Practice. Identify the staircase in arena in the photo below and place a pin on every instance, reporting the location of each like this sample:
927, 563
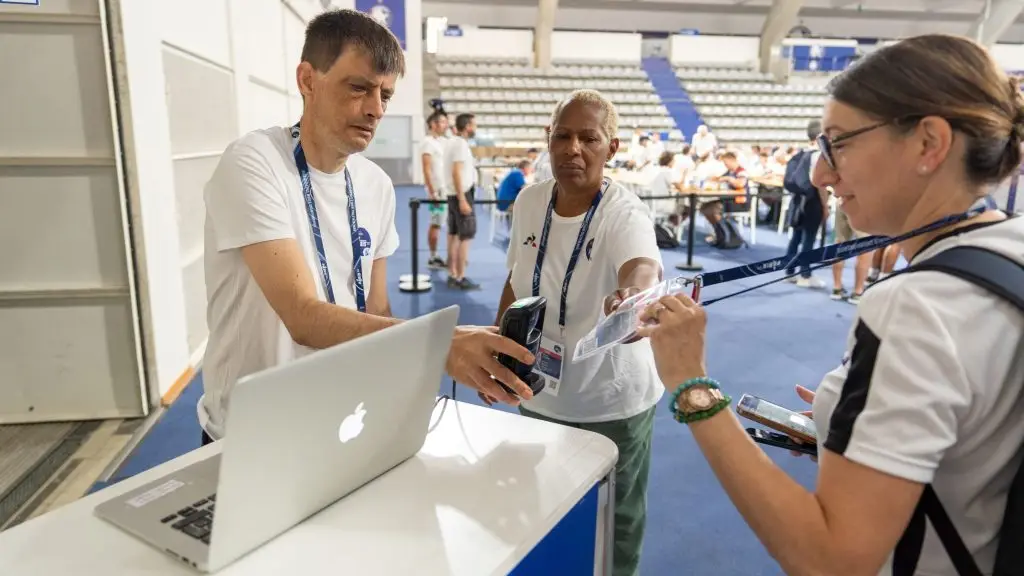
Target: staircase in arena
672, 95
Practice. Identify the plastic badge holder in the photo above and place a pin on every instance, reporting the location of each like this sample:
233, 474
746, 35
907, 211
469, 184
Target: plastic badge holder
623, 324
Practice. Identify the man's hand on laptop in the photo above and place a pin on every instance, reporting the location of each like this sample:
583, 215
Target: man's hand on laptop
473, 360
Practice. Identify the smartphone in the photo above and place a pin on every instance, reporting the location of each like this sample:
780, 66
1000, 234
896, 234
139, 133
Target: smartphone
781, 441
778, 418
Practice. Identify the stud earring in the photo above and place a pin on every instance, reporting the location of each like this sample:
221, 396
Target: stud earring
922, 170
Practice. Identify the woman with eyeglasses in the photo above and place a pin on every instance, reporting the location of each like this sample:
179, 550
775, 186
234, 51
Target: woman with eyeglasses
929, 391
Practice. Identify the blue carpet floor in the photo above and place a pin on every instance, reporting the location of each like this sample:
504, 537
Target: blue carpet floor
763, 343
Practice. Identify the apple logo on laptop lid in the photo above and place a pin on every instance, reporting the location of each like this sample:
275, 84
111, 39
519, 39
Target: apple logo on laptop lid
352, 425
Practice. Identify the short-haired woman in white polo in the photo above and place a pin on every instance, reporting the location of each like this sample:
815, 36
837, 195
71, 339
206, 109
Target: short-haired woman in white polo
583, 232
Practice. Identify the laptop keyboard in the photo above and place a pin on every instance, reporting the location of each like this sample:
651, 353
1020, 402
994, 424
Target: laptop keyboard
195, 520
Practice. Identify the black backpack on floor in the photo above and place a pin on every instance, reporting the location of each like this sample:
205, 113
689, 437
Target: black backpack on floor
664, 237
1005, 278
727, 235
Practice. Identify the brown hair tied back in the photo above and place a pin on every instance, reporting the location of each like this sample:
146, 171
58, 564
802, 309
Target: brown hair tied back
947, 76
1013, 154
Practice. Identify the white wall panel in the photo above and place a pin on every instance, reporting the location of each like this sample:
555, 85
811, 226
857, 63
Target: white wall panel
486, 43
196, 26
200, 104
61, 227
294, 37
87, 348
294, 107
264, 35
194, 279
51, 105
268, 108
727, 50
595, 46
190, 177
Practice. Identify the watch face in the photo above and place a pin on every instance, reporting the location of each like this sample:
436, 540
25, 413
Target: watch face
701, 398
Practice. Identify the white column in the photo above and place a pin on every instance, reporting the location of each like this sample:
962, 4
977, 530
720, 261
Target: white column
995, 19
146, 132
780, 19
542, 33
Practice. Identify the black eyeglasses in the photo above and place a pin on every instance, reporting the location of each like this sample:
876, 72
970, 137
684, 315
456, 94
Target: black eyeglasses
825, 143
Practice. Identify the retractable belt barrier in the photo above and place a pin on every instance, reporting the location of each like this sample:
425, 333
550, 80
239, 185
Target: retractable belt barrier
413, 284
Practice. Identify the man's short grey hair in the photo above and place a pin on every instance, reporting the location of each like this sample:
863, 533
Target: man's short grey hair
610, 126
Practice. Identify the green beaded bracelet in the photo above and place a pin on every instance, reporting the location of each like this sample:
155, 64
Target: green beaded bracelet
701, 380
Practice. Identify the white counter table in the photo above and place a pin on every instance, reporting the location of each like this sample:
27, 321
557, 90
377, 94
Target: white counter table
489, 493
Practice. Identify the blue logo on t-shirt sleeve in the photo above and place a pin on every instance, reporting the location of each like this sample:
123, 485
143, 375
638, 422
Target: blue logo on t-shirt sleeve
364, 241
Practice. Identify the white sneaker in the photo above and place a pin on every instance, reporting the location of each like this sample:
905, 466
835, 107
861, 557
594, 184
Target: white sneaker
811, 282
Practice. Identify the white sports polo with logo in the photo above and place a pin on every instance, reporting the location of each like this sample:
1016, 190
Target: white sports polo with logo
623, 381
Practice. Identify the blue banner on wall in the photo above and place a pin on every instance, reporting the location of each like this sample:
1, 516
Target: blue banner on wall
390, 13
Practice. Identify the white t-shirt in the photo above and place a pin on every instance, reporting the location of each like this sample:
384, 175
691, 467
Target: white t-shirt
458, 150
684, 166
435, 147
930, 390
662, 185
654, 151
623, 381
542, 168
705, 144
639, 154
254, 196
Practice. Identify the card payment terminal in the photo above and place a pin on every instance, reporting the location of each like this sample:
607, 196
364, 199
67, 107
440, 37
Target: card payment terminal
523, 323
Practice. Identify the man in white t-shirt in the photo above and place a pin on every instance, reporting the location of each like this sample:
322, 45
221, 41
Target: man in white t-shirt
638, 156
275, 289
434, 146
704, 143
655, 149
460, 168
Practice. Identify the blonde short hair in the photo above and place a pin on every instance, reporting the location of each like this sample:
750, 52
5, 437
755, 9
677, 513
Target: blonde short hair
610, 126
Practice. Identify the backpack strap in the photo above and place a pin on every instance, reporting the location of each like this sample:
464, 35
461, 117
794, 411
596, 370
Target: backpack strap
990, 270
1005, 278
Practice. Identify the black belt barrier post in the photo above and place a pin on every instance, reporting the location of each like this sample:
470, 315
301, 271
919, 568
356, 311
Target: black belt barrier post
689, 265
413, 282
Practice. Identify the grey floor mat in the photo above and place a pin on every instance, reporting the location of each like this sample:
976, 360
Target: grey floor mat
30, 454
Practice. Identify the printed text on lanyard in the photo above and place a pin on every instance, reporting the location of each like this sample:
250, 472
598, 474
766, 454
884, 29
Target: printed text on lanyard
314, 226
577, 249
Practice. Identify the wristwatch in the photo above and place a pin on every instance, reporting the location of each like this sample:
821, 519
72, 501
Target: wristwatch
698, 398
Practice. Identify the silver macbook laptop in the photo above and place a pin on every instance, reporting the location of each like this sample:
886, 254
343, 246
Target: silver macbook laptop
298, 437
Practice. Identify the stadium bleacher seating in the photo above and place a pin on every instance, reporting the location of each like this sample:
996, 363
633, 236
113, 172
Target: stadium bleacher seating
513, 100
743, 106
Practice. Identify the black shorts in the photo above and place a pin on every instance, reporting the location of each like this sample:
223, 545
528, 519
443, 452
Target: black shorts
463, 226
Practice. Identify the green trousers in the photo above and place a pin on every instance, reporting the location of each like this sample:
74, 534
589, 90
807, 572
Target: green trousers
633, 437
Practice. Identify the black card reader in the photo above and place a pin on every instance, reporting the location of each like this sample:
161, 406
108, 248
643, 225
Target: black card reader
523, 323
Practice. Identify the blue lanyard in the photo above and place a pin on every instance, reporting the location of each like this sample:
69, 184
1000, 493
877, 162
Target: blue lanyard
1011, 199
580, 239
829, 255
314, 226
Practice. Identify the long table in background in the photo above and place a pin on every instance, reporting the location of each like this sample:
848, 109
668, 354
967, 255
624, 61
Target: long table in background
640, 182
